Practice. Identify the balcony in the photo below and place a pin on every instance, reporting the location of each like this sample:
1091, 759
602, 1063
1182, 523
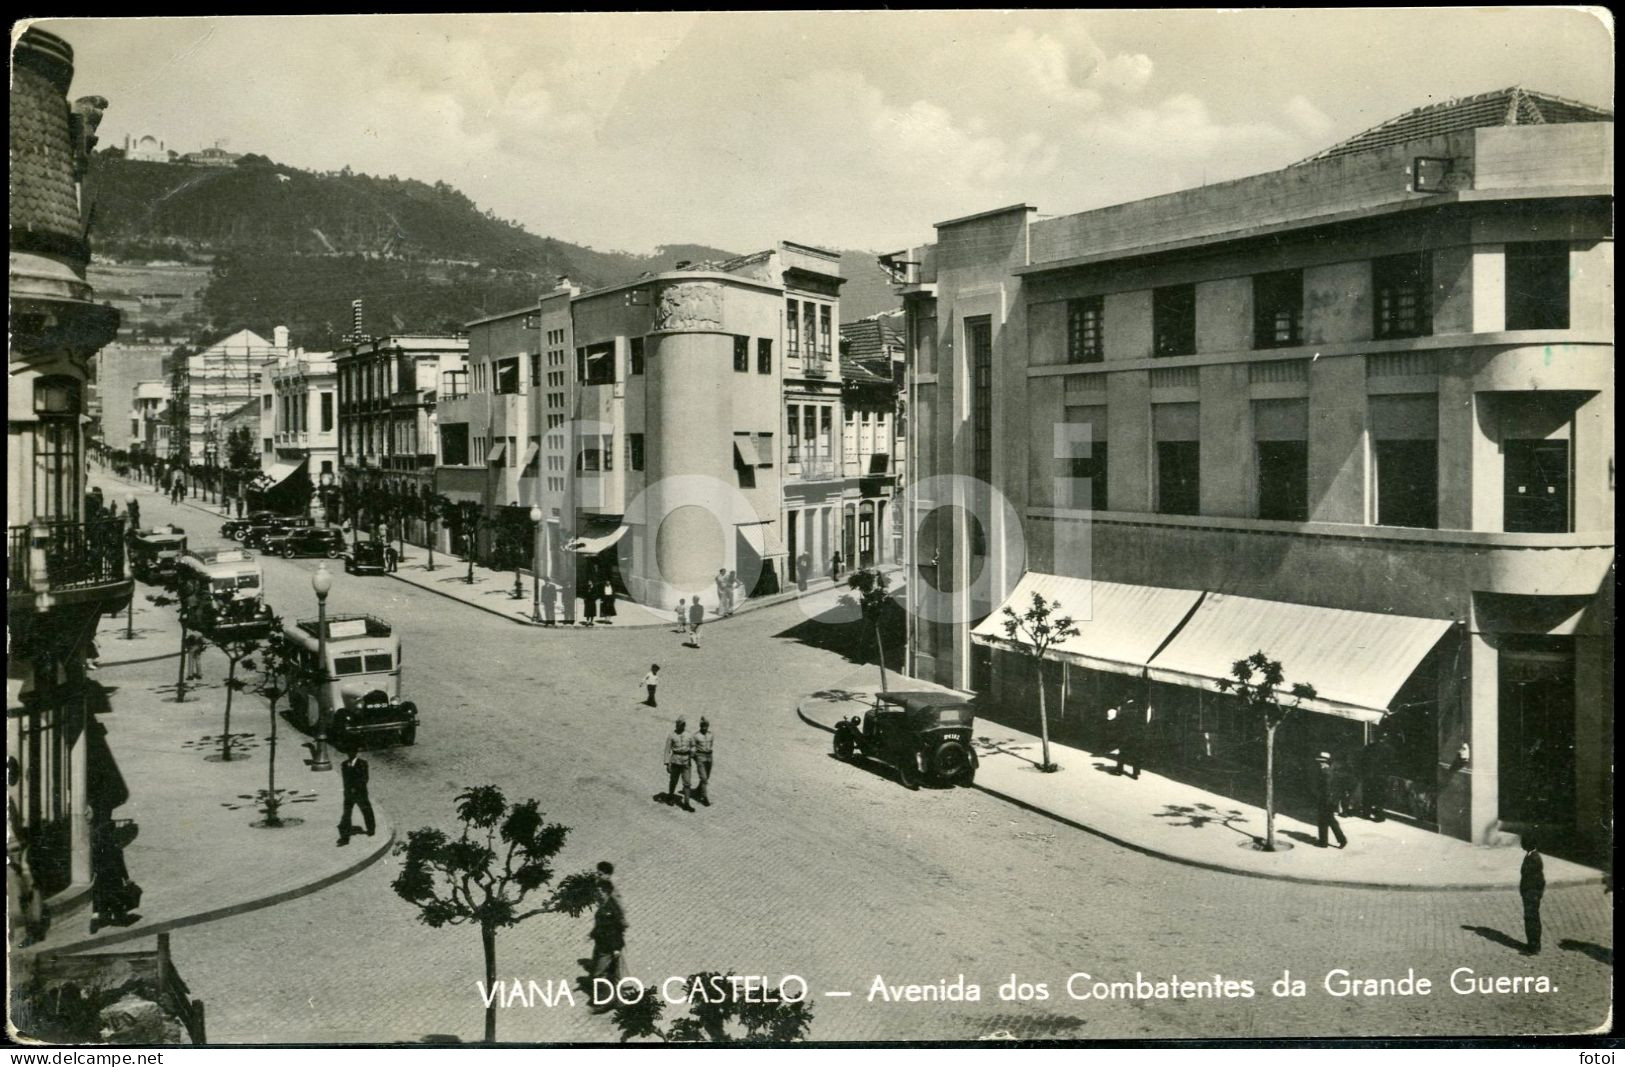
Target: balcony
813, 469
55, 562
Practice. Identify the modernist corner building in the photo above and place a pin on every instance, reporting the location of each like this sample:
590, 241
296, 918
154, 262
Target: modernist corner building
1356, 413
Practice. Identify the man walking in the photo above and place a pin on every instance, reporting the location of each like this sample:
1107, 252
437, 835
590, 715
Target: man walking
696, 616
608, 941
835, 565
1125, 723
195, 644
391, 559
1531, 887
650, 681
355, 773
679, 747
135, 514
1326, 801
682, 616
704, 745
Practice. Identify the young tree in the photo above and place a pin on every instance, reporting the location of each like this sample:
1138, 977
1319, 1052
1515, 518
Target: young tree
281, 668
164, 600
484, 874
729, 1019
238, 649
1260, 683
1033, 633
871, 587
430, 508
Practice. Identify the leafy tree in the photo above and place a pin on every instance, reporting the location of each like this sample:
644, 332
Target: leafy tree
871, 587
1260, 683
241, 452
1033, 633
726, 1020
483, 875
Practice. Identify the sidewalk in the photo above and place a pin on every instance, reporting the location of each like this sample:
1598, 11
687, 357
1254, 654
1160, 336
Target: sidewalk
1179, 822
195, 853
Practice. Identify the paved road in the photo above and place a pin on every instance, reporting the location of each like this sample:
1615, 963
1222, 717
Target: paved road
810, 867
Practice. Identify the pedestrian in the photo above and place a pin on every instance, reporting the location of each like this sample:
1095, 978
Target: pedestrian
589, 604
682, 616
696, 616
391, 558
239, 503
355, 774
549, 604
735, 587
1125, 721
835, 565
1531, 887
704, 747
195, 644
1374, 780
135, 514
1326, 801
113, 895
606, 605
679, 746
608, 942
724, 593
651, 680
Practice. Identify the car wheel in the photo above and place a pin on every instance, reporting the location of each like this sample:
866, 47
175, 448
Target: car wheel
334, 553
288, 553
238, 535
908, 775
409, 734
951, 761
844, 748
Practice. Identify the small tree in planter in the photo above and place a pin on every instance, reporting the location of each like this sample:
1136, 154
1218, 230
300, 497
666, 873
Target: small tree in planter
281, 668
1260, 683
238, 649
484, 874
1033, 633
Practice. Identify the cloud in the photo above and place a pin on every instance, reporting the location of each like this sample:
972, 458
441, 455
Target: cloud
1308, 118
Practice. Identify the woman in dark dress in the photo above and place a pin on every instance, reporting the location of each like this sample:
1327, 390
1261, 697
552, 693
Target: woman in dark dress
589, 605
606, 605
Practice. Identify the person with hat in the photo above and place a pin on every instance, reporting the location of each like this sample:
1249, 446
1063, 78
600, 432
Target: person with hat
704, 744
1126, 722
679, 747
1326, 801
608, 940
1531, 888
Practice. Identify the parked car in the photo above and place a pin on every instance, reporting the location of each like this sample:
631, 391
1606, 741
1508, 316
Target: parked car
235, 528
358, 688
304, 541
367, 557
925, 735
254, 536
155, 554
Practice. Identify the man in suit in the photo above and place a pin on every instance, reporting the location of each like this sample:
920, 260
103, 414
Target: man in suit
1326, 801
356, 773
1531, 887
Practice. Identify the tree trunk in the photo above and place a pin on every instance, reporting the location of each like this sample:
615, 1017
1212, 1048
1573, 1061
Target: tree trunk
1269, 788
271, 805
881, 646
1043, 718
428, 540
180, 678
488, 941
225, 736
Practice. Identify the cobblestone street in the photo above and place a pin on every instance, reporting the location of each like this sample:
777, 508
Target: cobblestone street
805, 865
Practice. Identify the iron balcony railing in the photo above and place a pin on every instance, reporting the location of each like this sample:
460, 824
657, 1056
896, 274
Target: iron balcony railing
58, 556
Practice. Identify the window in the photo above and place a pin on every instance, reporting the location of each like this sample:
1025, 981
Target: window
595, 364
1173, 320
1399, 287
809, 327
1278, 309
609, 451
792, 439
265, 402
637, 355
507, 376
764, 355
824, 317
742, 355
1092, 467
1537, 285
1405, 453
764, 449
1178, 458
1536, 487
1281, 440
979, 336
824, 443
56, 468
535, 369
1085, 321
1536, 712
379, 662
792, 327
327, 412
589, 459
347, 665
634, 451
454, 444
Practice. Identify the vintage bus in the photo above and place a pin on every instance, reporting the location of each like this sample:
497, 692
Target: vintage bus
359, 685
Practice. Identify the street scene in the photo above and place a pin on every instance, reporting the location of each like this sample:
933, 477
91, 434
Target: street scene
774, 643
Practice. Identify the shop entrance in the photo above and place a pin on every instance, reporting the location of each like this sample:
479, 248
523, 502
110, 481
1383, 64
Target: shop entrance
1537, 780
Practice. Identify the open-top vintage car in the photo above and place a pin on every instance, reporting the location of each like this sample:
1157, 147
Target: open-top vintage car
358, 688
155, 554
305, 541
925, 735
235, 528
366, 557
225, 592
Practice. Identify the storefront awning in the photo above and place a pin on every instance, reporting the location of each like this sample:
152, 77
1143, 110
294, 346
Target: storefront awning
1119, 626
1356, 660
597, 538
278, 473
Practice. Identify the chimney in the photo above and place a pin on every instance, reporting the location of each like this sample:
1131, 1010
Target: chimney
355, 319
564, 282
279, 337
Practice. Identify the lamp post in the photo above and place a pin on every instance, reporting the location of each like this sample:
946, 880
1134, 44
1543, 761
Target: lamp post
536, 564
322, 583
129, 513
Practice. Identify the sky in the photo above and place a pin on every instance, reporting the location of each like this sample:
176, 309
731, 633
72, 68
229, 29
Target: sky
842, 129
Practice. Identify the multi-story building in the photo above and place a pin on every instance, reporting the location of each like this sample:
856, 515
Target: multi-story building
872, 373
218, 380
65, 568
1356, 413
388, 390
119, 368
149, 418
297, 427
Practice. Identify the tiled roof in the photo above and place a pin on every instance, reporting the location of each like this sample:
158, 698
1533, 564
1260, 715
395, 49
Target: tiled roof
1515, 106
869, 337
44, 201
861, 370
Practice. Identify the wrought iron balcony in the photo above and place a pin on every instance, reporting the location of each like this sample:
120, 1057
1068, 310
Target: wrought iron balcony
66, 557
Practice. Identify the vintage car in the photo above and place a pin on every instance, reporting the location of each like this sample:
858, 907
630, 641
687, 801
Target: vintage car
357, 688
254, 536
926, 736
366, 557
224, 593
235, 528
304, 541
155, 554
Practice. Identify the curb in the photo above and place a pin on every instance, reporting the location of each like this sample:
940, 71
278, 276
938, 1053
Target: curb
106, 663
478, 607
1186, 861
116, 937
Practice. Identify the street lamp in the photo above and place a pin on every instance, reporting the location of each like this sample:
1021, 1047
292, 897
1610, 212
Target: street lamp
322, 583
536, 565
129, 512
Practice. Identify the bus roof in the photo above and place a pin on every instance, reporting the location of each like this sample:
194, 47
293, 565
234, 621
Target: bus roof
340, 630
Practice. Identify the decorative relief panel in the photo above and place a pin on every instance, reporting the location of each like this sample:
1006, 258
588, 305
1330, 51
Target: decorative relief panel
689, 306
